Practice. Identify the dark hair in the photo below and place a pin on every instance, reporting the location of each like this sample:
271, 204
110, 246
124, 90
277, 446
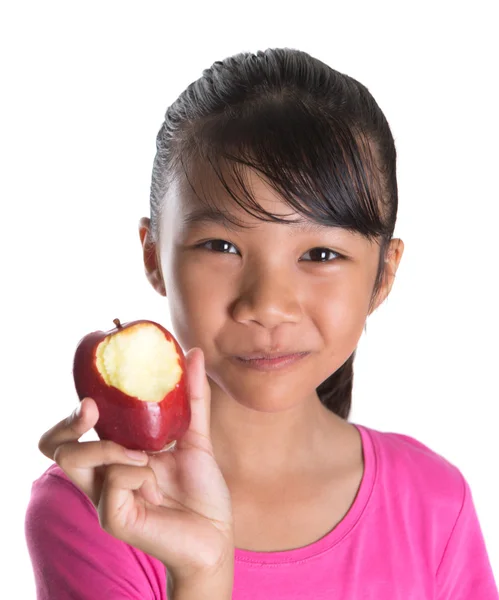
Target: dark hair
316, 135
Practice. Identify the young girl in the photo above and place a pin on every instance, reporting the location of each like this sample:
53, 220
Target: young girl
273, 204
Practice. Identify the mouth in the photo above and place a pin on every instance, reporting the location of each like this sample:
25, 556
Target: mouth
270, 362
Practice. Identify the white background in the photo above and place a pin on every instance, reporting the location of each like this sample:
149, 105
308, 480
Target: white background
85, 88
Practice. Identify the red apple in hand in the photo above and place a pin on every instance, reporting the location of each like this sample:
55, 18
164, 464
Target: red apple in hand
136, 373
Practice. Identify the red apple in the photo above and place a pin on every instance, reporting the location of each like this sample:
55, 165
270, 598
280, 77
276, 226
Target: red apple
136, 373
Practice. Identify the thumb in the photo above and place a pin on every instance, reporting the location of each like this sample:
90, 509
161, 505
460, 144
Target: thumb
199, 393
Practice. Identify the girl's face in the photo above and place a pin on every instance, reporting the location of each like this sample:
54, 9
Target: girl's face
269, 288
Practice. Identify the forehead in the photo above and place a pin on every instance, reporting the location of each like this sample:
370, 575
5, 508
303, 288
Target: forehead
200, 192
199, 198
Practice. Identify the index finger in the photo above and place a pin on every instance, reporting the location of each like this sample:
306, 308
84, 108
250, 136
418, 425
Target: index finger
69, 429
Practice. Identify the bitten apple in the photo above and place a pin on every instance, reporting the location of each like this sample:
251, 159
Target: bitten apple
136, 373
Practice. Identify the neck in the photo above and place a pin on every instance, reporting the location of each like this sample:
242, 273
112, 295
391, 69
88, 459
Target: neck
262, 446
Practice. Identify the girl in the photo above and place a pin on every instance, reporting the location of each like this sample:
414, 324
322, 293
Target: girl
273, 205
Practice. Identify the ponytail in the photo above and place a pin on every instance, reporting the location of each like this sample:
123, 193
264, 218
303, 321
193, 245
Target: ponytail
336, 391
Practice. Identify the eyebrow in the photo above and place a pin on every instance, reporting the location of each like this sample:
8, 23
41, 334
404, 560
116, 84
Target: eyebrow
201, 216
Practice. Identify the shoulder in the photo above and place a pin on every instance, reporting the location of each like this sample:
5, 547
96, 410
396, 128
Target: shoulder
417, 490
54, 493
413, 466
54, 478
56, 502
60, 514
401, 451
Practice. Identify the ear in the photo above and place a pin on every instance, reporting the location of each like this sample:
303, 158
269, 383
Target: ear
150, 257
392, 262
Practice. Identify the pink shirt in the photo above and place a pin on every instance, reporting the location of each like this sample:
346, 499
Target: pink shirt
412, 533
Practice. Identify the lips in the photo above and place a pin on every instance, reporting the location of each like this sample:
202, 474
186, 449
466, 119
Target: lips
272, 363
268, 355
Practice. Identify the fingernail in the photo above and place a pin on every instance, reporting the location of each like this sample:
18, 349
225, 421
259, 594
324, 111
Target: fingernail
77, 412
169, 447
137, 455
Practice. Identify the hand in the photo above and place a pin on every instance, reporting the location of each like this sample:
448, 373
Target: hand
173, 505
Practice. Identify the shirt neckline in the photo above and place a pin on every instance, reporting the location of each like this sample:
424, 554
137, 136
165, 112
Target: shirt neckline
342, 529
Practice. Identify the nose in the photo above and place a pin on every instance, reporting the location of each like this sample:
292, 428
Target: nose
269, 298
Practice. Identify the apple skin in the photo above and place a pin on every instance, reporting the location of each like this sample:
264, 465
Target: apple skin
133, 423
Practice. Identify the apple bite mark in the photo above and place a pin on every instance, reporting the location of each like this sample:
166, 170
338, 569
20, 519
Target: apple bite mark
139, 361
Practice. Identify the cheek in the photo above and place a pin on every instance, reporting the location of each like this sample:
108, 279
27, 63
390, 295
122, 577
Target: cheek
191, 277
342, 308
197, 297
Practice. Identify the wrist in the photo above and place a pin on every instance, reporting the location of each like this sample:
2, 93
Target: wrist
208, 585
203, 588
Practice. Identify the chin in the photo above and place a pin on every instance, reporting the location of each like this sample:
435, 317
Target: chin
265, 396
264, 405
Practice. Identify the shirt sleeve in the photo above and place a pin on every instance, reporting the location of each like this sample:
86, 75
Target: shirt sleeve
74, 558
465, 572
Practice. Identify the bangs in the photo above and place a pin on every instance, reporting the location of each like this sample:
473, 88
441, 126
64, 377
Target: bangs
323, 167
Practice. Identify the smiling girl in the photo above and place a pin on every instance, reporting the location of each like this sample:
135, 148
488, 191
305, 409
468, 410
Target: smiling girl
273, 206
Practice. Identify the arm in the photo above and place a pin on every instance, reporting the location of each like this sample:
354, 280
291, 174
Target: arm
465, 572
73, 557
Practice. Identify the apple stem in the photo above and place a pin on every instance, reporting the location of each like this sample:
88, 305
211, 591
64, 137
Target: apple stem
117, 323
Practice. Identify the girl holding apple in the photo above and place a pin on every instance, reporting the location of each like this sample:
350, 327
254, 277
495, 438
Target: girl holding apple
273, 206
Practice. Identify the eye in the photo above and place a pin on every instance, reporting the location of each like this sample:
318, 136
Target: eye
321, 255
218, 246
317, 254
